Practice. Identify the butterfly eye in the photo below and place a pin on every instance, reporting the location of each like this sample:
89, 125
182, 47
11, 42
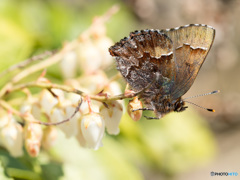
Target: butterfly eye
168, 104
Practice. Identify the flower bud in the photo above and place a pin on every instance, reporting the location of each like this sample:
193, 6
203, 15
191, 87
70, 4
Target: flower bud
11, 136
112, 116
33, 135
135, 103
92, 127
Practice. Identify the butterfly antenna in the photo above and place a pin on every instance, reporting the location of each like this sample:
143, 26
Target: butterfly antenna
211, 110
199, 95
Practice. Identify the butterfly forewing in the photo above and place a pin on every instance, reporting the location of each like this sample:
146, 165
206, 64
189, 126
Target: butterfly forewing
191, 45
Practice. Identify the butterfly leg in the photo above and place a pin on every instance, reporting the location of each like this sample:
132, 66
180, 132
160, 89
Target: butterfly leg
151, 118
143, 109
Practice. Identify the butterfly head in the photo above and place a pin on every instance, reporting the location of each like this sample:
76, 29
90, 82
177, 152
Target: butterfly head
166, 105
179, 105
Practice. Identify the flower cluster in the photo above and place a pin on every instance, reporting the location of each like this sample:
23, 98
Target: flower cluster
84, 116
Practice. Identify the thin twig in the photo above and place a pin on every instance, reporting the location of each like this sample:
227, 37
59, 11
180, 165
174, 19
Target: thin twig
50, 61
8, 107
46, 86
76, 91
37, 67
69, 90
27, 62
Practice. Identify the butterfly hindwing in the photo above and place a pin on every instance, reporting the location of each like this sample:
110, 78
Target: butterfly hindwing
191, 45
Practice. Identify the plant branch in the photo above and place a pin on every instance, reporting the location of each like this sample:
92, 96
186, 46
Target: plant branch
76, 91
26, 62
69, 90
46, 86
37, 67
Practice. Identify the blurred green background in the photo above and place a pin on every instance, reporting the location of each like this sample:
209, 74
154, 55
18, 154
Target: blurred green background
183, 146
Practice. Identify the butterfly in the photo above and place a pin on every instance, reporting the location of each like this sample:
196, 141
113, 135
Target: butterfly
170, 59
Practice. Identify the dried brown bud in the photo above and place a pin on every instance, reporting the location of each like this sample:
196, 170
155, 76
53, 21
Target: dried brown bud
134, 104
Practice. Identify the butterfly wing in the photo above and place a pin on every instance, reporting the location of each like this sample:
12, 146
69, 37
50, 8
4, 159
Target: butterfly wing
143, 54
191, 44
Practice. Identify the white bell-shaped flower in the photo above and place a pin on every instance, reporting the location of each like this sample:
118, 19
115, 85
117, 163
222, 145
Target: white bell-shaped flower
36, 111
69, 128
112, 116
102, 43
93, 83
92, 126
68, 65
81, 139
47, 101
11, 137
32, 108
26, 108
4, 119
59, 93
89, 56
49, 137
113, 88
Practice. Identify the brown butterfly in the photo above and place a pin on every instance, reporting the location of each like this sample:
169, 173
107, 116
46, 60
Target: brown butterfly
169, 59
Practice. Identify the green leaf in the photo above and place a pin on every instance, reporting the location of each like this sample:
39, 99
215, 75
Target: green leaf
2, 175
